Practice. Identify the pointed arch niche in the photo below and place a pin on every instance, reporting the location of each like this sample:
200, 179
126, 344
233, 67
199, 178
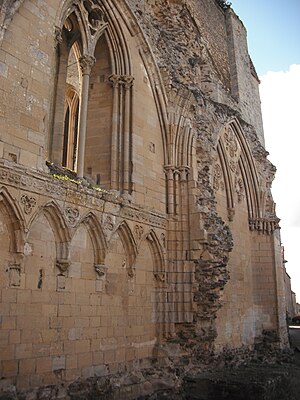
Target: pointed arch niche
12, 240
11, 221
91, 130
235, 178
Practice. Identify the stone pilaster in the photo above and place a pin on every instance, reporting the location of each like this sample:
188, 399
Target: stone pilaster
86, 64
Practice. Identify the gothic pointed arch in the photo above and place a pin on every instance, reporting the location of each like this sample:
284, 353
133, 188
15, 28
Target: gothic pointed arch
61, 232
13, 219
180, 131
235, 170
102, 152
180, 148
157, 254
118, 15
128, 242
70, 128
94, 19
68, 49
94, 229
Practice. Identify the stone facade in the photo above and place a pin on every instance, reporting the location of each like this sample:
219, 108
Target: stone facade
136, 216
290, 297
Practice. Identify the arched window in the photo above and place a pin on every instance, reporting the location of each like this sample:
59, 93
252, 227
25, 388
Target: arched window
63, 146
91, 127
71, 120
99, 118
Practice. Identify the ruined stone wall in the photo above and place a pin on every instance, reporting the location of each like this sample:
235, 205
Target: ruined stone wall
244, 78
75, 309
176, 256
80, 287
289, 296
211, 23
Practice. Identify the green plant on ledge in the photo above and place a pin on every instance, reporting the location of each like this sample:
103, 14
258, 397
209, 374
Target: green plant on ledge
67, 178
65, 174
78, 181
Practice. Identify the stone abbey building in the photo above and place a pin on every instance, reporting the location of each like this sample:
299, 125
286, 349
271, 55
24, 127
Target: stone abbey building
137, 223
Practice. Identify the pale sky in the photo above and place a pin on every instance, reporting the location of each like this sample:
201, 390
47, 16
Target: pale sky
273, 28
280, 95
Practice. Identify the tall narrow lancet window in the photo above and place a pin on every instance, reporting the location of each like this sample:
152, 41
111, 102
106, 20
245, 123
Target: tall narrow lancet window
71, 119
66, 136
64, 144
99, 118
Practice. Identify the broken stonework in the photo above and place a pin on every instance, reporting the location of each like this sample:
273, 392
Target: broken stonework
139, 238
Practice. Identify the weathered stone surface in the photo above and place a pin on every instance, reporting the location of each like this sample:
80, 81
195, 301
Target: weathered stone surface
138, 234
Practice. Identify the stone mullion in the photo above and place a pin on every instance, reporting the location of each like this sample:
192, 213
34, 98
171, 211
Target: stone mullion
172, 316
184, 174
176, 192
56, 147
86, 64
72, 110
127, 83
186, 274
70, 136
115, 142
169, 170
177, 195
183, 304
179, 247
171, 311
121, 138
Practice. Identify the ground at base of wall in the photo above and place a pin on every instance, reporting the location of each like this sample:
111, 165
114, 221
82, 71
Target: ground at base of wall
248, 382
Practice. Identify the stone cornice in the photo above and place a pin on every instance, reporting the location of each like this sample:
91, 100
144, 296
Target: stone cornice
264, 225
47, 185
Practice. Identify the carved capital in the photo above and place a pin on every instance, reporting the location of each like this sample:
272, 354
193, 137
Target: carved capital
131, 272
127, 81
101, 270
231, 213
160, 277
184, 172
124, 80
169, 171
86, 63
63, 264
115, 79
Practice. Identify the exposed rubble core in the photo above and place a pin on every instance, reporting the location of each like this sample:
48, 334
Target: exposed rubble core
139, 242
